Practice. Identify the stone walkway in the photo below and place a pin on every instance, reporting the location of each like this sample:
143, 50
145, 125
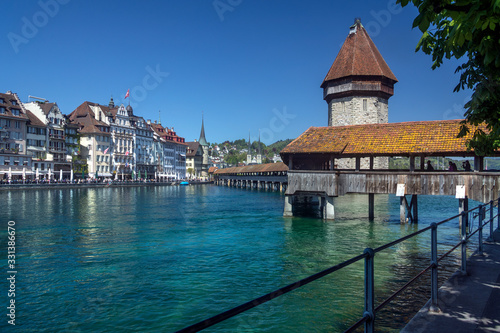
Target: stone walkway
468, 303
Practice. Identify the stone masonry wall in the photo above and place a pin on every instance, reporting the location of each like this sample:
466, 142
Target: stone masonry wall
349, 111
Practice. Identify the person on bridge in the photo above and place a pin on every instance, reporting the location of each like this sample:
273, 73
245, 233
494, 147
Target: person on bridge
452, 166
429, 166
466, 165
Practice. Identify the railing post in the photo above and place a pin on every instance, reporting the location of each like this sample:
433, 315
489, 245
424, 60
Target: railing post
434, 270
463, 267
481, 218
369, 313
491, 222
498, 213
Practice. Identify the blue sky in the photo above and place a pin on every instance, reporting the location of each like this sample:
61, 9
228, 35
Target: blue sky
246, 64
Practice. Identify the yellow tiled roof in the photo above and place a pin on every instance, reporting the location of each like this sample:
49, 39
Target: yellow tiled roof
268, 167
407, 138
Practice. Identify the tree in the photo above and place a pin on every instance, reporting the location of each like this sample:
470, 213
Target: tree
467, 29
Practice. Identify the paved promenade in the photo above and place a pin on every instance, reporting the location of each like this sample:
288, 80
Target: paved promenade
468, 303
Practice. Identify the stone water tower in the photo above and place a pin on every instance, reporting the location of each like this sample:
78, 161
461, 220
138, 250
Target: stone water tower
357, 88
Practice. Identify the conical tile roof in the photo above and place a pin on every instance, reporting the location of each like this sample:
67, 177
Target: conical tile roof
358, 57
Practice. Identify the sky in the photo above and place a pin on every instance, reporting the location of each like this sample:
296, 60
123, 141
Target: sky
243, 65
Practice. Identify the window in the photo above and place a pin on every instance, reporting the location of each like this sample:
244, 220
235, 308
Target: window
15, 112
13, 102
365, 106
18, 124
2, 101
2, 110
7, 123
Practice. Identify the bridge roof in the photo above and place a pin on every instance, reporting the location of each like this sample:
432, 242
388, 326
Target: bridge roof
268, 167
393, 139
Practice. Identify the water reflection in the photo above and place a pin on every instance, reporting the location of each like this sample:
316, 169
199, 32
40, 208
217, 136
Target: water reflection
159, 258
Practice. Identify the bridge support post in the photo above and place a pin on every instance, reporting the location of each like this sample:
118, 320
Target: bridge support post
463, 205
327, 208
288, 211
402, 209
408, 213
371, 206
414, 206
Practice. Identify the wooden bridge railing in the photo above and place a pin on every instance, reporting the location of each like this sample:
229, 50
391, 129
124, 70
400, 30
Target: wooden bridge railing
479, 186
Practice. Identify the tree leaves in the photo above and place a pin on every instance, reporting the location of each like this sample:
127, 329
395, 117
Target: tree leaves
466, 28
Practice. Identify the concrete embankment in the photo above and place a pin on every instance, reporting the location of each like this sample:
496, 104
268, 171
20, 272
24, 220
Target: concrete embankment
88, 185
468, 303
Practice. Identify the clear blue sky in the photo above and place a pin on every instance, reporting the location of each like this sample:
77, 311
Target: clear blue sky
246, 64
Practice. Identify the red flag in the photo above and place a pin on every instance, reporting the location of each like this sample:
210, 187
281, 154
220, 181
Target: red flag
126, 154
127, 94
106, 151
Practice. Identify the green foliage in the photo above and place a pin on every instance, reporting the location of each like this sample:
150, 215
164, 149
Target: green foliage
467, 28
278, 146
234, 156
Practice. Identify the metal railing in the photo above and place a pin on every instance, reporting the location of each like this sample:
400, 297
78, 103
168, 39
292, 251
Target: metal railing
369, 314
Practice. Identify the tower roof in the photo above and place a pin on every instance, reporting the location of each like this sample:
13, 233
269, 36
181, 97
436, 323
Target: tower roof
202, 140
358, 57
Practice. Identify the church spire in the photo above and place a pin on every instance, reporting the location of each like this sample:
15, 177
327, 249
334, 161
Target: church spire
111, 103
259, 155
202, 140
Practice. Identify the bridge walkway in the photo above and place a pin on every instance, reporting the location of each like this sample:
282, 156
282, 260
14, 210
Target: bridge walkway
468, 303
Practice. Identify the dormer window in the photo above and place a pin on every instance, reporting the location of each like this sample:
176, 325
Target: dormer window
2, 101
15, 112
13, 102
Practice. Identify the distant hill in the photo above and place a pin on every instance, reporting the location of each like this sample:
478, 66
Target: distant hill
279, 145
236, 151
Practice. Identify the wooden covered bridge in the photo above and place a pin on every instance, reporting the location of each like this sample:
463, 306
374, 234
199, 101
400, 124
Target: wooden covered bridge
314, 157
270, 176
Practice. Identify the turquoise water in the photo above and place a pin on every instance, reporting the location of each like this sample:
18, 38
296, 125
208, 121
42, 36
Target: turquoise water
149, 259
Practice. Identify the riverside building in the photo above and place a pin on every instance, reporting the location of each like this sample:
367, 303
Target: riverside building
95, 138
197, 157
170, 150
13, 152
55, 157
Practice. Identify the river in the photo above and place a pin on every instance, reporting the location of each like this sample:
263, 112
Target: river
150, 259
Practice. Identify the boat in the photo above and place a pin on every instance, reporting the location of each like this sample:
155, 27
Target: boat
184, 183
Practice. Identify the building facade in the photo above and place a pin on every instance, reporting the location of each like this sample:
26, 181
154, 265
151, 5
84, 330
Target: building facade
145, 162
14, 160
95, 139
56, 157
170, 150
197, 156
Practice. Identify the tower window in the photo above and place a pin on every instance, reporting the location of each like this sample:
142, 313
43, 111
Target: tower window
365, 106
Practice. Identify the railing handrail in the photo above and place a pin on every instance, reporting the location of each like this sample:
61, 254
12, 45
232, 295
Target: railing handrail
368, 255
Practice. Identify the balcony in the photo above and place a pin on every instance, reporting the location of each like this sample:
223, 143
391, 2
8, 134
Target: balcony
57, 149
57, 136
9, 151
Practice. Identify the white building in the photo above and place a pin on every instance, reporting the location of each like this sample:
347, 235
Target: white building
145, 158
95, 138
56, 156
171, 152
